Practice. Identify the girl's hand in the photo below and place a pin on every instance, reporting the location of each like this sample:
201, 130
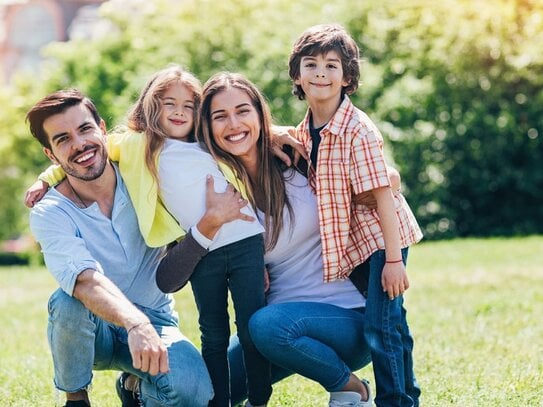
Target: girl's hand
394, 279
35, 193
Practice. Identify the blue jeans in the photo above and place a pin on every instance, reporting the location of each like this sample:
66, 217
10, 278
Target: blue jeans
239, 267
320, 341
81, 342
391, 343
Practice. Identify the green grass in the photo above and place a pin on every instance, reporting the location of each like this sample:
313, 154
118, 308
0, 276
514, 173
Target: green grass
474, 308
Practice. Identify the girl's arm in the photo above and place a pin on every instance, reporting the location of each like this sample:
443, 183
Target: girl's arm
51, 176
181, 259
394, 278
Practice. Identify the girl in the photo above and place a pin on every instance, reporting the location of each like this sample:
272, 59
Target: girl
309, 327
169, 194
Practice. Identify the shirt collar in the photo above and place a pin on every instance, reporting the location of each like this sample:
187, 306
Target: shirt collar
337, 123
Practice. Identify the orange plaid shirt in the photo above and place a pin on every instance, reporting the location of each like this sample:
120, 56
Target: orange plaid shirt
351, 161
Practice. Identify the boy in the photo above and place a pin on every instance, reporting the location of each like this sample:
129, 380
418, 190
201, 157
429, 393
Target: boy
346, 160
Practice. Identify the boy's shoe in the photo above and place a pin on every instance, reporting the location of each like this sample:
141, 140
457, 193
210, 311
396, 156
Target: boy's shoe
128, 398
350, 398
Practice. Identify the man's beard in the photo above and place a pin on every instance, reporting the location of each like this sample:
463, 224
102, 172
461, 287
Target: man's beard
91, 173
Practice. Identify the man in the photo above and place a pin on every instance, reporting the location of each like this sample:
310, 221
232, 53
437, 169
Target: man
108, 312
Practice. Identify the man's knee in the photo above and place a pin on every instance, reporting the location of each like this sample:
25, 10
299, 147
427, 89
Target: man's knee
63, 307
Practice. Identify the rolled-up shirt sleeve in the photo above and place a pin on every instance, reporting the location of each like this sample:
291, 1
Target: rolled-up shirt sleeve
65, 252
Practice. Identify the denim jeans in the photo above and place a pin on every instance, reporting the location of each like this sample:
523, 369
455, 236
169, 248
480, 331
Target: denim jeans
238, 267
387, 333
81, 342
320, 341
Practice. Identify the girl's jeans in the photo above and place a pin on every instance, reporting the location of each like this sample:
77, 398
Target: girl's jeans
320, 341
81, 342
239, 267
391, 344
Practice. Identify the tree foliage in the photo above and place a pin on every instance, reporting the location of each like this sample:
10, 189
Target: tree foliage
455, 86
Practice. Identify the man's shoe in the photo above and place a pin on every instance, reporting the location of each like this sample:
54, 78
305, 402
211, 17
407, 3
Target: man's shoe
76, 403
129, 398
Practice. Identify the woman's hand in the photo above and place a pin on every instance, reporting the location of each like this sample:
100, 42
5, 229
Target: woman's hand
221, 208
35, 193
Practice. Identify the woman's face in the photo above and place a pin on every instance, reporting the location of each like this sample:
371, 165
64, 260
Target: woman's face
235, 124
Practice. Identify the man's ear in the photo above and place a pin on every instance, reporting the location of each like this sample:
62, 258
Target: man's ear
103, 128
50, 155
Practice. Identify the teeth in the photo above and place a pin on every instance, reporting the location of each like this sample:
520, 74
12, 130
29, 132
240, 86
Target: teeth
236, 137
84, 157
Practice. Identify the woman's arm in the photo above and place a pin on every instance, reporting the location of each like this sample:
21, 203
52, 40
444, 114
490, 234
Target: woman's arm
182, 258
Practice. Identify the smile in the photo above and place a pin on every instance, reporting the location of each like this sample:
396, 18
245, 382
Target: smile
237, 137
178, 122
85, 157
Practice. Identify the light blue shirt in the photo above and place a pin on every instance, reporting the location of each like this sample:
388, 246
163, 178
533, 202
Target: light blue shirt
73, 239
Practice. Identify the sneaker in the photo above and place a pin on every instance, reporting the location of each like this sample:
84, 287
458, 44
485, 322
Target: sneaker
128, 398
350, 398
76, 403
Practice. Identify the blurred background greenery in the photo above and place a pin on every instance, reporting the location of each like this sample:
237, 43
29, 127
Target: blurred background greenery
454, 86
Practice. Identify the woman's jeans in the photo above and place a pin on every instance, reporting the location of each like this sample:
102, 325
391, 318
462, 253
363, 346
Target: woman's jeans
239, 267
320, 341
81, 342
387, 333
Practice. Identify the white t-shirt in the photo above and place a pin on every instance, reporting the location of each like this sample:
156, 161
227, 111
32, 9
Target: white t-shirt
183, 168
295, 263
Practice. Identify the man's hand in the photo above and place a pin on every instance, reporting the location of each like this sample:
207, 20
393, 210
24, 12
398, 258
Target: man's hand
35, 193
285, 136
148, 352
221, 208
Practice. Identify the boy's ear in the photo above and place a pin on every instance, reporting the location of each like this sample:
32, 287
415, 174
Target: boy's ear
50, 155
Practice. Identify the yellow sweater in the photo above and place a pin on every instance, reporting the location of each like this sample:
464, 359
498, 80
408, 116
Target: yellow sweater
157, 226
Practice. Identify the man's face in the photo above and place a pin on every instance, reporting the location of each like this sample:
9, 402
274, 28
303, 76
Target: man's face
77, 143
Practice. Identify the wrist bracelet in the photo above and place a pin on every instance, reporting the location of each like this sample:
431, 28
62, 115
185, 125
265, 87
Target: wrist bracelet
135, 326
394, 261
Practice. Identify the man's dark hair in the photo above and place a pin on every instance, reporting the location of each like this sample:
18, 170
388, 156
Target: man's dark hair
321, 39
53, 104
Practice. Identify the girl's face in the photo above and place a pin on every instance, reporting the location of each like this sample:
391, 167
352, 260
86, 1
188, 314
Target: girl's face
176, 117
235, 123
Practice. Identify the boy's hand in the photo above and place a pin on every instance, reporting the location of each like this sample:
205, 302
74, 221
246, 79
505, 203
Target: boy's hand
394, 279
285, 136
35, 193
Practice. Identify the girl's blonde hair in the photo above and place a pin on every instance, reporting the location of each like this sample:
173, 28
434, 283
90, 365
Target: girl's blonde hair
270, 178
144, 116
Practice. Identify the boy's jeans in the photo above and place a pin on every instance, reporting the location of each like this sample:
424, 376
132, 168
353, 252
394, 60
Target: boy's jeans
238, 267
81, 342
388, 335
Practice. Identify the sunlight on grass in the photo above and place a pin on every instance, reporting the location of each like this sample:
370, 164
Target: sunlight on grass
474, 309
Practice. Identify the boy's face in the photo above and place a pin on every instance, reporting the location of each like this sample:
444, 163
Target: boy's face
321, 77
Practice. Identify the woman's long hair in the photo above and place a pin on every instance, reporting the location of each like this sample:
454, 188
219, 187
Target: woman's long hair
144, 116
270, 179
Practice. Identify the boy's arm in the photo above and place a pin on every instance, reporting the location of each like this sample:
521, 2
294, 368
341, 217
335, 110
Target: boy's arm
367, 199
286, 136
394, 278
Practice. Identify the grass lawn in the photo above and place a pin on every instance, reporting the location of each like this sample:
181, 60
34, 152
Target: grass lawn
473, 309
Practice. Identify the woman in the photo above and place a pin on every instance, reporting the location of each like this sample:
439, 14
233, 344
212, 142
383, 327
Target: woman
308, 327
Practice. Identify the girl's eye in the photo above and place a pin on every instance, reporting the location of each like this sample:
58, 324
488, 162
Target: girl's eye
191, 107
218, 117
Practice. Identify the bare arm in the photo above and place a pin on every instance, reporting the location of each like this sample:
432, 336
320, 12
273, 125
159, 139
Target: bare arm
394, 278
368, 199
104, 299
285, 136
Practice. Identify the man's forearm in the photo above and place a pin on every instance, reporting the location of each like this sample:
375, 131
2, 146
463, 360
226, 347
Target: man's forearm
105, 300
